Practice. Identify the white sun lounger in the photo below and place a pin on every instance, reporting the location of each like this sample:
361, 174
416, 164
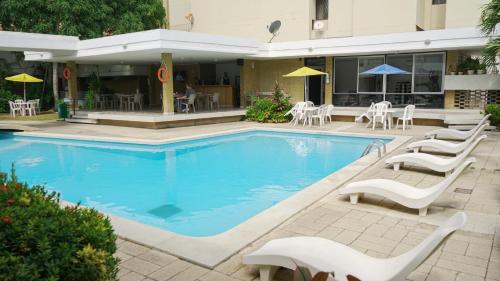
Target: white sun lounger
445, 133
323, 255
445, 146
435, 163
406, 195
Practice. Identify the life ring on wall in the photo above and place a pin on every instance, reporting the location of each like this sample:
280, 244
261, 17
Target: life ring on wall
66, 73
162, 74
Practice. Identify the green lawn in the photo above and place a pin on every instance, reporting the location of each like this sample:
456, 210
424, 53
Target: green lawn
39, 117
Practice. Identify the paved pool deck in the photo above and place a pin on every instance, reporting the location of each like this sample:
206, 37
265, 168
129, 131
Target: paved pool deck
376, 226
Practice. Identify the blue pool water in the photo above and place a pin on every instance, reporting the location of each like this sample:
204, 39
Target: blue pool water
198, 188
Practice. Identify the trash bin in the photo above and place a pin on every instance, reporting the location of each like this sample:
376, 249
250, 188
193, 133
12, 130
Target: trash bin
62, 110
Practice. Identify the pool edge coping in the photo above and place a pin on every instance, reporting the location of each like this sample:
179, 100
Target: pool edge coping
212, 250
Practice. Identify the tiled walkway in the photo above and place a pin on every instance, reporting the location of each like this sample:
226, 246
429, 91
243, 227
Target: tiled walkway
376, 226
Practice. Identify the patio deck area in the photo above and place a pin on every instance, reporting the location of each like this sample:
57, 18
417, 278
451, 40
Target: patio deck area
377, 227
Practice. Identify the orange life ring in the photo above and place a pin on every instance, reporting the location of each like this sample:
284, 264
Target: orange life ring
66, 73
162, 74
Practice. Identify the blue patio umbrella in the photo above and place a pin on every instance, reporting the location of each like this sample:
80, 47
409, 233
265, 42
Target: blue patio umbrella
385, 70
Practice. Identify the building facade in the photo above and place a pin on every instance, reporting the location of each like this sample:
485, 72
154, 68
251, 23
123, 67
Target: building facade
307, 21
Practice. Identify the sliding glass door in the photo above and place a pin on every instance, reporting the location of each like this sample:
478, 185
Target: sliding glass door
422, 87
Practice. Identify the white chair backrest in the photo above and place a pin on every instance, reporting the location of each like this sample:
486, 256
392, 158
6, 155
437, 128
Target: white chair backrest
18, 101
215, 97
408, 113
11, 105
309, 104
329, 109
192, 97
388, 103
380, 109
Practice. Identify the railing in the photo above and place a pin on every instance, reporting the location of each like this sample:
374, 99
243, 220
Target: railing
379, 144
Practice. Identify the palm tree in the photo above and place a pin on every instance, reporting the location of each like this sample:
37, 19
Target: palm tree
490, 18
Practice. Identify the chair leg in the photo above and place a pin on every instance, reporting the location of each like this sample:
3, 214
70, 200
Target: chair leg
354, 198
266, 272
422, 212
397, 166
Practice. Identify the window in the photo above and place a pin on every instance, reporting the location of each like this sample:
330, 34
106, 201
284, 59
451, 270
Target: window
321, 9
428, 75
370, 83
438, 2
400, 83
346, 75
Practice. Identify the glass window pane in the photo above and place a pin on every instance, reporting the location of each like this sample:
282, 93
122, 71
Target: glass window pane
400, 83
370, 83
346, 73
428, 73
321, 9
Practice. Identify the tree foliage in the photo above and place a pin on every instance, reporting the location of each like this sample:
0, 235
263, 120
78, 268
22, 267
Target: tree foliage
83, 18
490, 18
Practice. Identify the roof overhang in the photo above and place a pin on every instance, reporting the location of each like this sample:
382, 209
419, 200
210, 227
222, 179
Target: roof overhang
147, 46
186, 47
418, 41
21, 41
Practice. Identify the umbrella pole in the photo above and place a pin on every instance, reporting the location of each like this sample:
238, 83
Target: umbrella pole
24, 91
305, 88
385, 84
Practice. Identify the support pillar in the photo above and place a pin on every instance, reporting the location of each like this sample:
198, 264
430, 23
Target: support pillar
328, 86
168, 86
72, 84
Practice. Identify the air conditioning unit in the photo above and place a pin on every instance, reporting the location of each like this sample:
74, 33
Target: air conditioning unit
320, 25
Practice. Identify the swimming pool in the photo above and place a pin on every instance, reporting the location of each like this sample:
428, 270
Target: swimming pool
199, 187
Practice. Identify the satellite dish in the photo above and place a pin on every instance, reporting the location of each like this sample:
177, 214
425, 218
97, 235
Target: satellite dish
274, 28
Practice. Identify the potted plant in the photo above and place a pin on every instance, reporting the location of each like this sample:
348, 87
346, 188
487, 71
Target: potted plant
470, 65
481, 68
451, 70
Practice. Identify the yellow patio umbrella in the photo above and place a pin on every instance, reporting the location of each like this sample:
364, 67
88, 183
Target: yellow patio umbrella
25, 78
305, 72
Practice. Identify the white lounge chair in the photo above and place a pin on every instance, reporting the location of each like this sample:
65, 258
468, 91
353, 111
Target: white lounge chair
406, 195
444, 146
435, 163
323, 255
445, 133
368, 114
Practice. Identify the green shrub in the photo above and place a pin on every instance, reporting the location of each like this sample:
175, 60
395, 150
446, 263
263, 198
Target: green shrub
42, 241
5, 97
494, 110
270, 110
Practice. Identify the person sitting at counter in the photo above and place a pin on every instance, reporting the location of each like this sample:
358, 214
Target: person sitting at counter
225, 79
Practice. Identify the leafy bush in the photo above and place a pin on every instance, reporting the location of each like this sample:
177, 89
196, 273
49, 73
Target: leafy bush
270, 110
42, 241
494, 110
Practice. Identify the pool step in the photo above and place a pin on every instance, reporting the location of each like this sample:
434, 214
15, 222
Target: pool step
81, 120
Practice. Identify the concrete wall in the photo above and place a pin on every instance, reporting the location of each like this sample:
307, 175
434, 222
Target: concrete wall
346, 17
244, 18
384, 16
259, 76
463, 13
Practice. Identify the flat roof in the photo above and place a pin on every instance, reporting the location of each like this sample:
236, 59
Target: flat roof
186, 47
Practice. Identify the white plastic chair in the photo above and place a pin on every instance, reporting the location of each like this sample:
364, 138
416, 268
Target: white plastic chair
309, 103
18, 101
294, 112
323, 255
319, 115
406, 195
388, 103
432, 162
407, 116
135, 100
190, 103
380, 115
14, 107
214, 100
30, 108
368, 114
329, 112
